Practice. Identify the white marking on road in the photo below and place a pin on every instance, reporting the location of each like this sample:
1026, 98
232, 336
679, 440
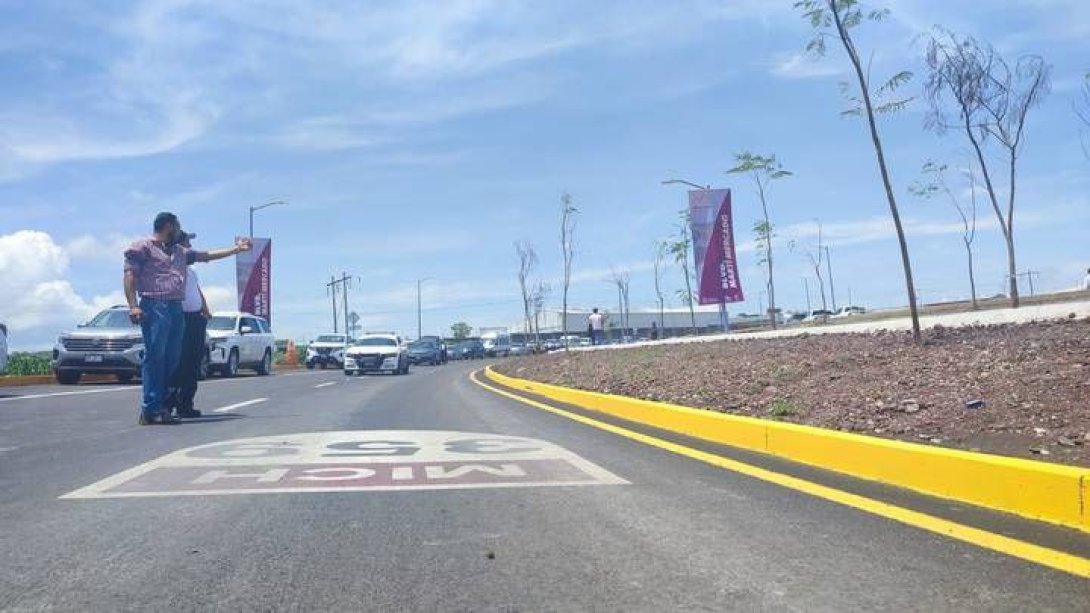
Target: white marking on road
326, 384
239, 405
354, 461
79, 393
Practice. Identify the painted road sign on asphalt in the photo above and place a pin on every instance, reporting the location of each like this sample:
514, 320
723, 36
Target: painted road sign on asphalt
353, 461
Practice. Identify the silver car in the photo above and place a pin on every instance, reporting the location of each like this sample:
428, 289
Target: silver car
108, 344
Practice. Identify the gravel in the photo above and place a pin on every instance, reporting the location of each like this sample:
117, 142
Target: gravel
1018, 389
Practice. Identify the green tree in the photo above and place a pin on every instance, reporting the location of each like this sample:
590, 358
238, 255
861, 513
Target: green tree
679, 248
461, 330
763, 170
836, 19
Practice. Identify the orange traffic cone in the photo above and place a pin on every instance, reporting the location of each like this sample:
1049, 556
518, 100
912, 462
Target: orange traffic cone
291, 354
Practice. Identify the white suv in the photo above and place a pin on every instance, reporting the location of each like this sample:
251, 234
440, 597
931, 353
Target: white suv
240, 340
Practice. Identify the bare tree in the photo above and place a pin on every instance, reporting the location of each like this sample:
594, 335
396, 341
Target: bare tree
622, 279
661, 249
836, 19
680, 248
567, 250
538, 295
815, 263
934, 182
1081, 107
763, 170
527, 262
992, 100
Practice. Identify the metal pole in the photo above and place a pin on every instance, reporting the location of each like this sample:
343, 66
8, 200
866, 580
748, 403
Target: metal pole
806, 287
251, 221
829, 266
419, 310
344, 281
333, 295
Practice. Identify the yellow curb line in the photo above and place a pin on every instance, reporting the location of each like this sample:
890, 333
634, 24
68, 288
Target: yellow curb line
1044, 556
1036, 490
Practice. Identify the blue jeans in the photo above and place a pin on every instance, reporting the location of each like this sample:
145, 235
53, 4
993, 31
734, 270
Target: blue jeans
163, 326
597, 337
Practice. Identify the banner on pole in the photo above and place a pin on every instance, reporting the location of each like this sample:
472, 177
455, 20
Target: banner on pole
253, 271
712, 226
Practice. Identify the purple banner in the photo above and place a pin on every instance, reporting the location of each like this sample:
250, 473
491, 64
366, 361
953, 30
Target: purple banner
713, 247
253, 271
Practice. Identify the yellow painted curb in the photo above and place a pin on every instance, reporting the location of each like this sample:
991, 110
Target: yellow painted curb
1037, 490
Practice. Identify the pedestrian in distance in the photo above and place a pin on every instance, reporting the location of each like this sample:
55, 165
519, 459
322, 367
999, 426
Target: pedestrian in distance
154, 281
597, 324
654, 331
183, 385
1086, 281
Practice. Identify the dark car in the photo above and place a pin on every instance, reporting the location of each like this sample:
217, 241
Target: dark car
426, 351
469, 350
438, 340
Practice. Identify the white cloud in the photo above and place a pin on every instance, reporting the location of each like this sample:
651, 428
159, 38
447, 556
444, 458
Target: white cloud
37, 299
803, 66
90, 247
220, 297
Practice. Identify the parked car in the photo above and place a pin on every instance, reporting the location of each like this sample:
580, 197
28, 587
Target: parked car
3, 347
382, 352
107, 344
849, 311
426, 351
240, 340
469, 350
817, 315
327, 350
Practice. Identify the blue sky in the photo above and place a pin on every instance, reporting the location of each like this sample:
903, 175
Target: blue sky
421, 139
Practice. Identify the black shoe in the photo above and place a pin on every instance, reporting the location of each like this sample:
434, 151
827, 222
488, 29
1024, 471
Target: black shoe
188, 413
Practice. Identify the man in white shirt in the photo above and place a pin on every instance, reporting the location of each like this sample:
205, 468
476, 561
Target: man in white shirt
1086, 281
597, 324
183, 386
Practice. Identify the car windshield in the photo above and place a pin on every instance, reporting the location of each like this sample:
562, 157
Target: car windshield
376, 341
221, 323
423, 345
330, 338
113, 318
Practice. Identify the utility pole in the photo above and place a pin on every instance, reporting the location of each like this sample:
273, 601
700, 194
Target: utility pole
806, 288
419, 307
344, 283
260, 207
829, 266
1029, 274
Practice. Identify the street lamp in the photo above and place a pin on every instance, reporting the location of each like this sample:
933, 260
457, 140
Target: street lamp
684, 182
258, 208
419, 317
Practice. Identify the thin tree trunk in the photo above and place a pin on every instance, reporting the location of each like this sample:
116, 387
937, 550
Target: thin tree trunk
887, 182
1011, 267
768, 255
1004, 228
972, 275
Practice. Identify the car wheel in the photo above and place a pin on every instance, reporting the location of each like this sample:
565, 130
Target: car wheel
265, 367
67, 377
231, 369
124, 378
310, 365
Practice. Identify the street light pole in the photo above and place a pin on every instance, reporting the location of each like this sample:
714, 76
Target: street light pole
258, 208
419, 307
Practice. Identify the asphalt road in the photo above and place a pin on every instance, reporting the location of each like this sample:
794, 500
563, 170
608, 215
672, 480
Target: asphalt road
423, 493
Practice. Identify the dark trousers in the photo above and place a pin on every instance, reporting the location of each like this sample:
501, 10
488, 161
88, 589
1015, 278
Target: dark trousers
184, 382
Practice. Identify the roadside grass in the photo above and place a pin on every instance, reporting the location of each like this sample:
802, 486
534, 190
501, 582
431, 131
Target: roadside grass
782, 408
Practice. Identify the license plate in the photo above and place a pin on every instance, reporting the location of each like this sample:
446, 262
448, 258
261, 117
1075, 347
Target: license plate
92, 358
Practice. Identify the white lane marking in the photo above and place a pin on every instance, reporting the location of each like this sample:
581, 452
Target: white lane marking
239, 405
326, 384
79, 393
